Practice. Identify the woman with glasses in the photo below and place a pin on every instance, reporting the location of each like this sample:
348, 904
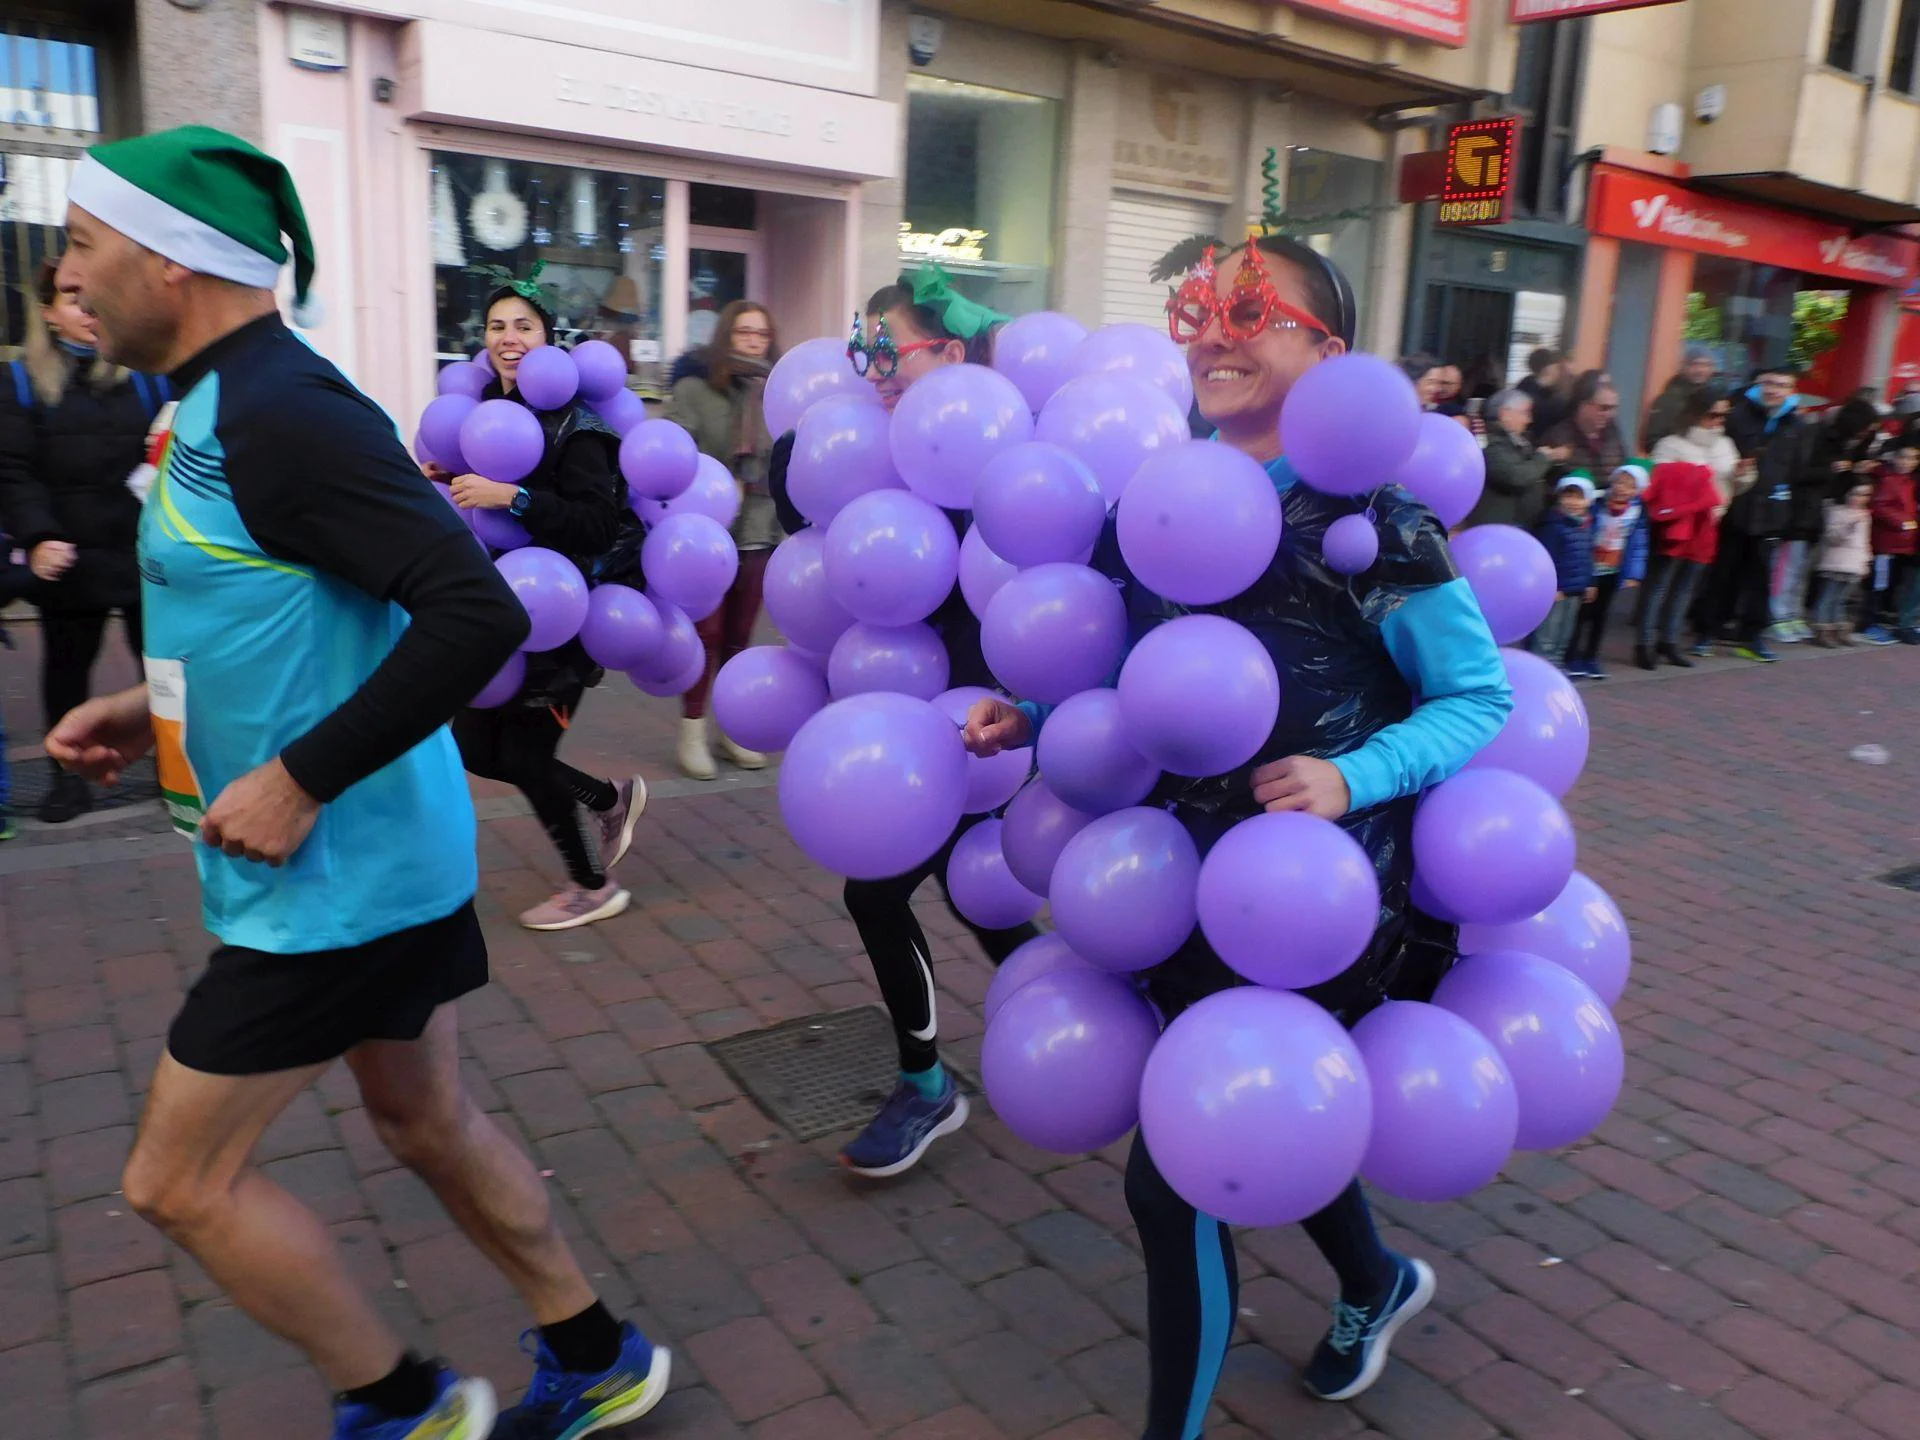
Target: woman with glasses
1686, 535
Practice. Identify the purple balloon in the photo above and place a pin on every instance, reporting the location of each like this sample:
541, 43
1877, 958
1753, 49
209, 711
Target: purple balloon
551, 588
1256, 1107
1445, 1111
547, 378
623, 629
1556, 1036
1288, 900
622, 411
714, 493
1113, 424
1546, 736
1123, 889
504, 686
463, 377
1351, 545
659, 460
678, 684
497, 529
805, 375
1492, 846
1036, 503
796, 595
680, 648
502, 440
908, 659
1349, 424
840, 452
440, 426
445, 492
1053, 631
1086, 759
1447, 470
1512, 577
1039, 825
891, 558
1426, 901
484, 360
1582, 931
763, 695
950, 424
992, 780
1063, 1059
873, 786
690, 561
1136, 352
602, 371
981, 887
1043, 955
982, 572
1033, 352
1200, 523
1199, 696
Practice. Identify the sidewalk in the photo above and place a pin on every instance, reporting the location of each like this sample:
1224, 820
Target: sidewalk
1735, 1254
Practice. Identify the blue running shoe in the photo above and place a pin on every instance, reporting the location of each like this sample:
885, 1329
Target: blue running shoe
1878, 635
461, 1410
562, 1405
1703, 650
1355, 1351
907, 1124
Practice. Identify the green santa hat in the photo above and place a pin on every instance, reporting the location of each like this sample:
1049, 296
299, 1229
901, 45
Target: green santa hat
206, 200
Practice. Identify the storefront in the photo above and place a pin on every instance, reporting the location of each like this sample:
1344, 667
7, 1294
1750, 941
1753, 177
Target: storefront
1485, 299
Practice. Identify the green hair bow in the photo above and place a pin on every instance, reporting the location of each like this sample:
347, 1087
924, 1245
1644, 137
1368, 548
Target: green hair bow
529, 289
933, 288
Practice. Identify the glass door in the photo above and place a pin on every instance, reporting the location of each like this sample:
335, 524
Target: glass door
722, 266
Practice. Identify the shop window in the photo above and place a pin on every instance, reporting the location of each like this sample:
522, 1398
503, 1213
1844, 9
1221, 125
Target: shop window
979, 192
1331, 200
1843, 35
721, 206
1902, 77
599, 232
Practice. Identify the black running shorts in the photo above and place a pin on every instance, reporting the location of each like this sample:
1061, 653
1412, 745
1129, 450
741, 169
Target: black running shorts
251, 1013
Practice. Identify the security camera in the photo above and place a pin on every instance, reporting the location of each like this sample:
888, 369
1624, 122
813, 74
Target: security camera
924, 34
1710, 104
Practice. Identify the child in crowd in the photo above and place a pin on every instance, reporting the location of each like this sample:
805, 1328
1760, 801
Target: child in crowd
1568, 536
1846, 556
1619, 535
1893, 613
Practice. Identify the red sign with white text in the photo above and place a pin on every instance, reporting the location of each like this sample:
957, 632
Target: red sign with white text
1442, 21
1526, 10
1630, 206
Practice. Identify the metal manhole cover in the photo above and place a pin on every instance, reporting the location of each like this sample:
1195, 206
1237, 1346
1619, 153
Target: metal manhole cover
1904, 879
32, 779
817, 1075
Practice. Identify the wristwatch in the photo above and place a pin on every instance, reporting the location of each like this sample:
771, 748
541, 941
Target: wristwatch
521, 497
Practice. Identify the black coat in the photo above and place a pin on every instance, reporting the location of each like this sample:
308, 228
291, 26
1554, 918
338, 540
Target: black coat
1786, 498
63, 476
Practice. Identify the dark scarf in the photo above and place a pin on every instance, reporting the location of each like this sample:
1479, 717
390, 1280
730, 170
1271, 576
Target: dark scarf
750, 436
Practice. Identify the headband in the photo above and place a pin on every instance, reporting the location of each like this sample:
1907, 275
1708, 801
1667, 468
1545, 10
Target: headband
960, 317
544, 297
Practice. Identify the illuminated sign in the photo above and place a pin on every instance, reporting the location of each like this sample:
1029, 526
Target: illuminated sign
955, 244
1479, 182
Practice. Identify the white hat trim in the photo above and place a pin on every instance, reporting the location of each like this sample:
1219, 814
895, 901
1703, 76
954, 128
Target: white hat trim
148, 220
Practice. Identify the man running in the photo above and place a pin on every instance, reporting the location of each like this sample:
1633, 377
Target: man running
315, 616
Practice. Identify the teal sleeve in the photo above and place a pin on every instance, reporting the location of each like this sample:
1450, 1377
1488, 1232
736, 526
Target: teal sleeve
1441, 645
1036, 714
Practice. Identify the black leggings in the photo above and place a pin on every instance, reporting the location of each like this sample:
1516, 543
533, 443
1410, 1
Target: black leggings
70, 643
882, 912
1592, 622
518, 744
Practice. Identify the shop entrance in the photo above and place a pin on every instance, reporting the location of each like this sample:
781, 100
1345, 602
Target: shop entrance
1469, 326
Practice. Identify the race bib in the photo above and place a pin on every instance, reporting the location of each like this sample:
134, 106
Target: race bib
179, 786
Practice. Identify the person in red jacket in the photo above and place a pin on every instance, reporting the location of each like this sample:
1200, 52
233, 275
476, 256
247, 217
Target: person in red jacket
1896, 539
1684, 507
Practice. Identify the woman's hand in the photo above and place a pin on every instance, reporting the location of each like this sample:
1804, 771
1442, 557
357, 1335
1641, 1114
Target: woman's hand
51, 559
994, 725
470, 492
1302, 783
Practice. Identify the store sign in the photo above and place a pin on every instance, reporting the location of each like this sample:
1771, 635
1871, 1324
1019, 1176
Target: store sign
1478, 189
1444, 22
1528, 10
1177, 133
1630, 206
953, 244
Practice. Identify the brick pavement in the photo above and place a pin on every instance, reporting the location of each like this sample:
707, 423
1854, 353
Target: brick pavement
1737, 1252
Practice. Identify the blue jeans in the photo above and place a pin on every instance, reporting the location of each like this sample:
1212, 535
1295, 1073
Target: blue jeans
1550, 640
1832, 599
1790, 580
1664, 596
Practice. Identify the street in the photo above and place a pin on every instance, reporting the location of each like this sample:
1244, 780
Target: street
1736, 1253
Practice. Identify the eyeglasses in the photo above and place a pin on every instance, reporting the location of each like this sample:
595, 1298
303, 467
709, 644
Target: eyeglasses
881, 358
1252, 305
1720, 415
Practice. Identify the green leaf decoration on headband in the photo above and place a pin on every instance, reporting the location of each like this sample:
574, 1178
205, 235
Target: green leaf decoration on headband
1184, 256
529, 289
933, 288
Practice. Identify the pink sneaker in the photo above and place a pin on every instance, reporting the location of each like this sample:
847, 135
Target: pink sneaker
576, 906
616, 825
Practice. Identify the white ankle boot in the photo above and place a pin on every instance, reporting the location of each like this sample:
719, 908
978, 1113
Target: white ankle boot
742, 757
695, 759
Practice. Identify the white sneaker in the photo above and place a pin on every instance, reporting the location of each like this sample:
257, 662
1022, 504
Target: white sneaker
695, 759
577, 906
616, 825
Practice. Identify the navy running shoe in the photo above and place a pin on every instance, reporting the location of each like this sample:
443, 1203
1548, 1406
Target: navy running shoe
1355, 1351
462, 1409
563, 1405
907, 1124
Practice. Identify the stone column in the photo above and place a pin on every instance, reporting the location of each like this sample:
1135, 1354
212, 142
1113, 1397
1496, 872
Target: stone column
199, 65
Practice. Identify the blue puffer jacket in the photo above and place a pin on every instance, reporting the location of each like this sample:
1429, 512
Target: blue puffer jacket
1570, 543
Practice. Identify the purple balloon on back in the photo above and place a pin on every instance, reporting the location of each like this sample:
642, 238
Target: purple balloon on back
1039, 825
551, 588
1556, 1036
547, 378
840, 452
805, 375
1582, 931
690, 561
891, 558
1199, 524
440, 426
463, 377
1062, 1061
1351, 545
623, 629
992, 780
763, 695
1053, 631
498, 530
1123, 889
1288, 900
714, 493
1033, 351
1512, 577
676, 684
1492, 846
1199, 695
602, 370
982, 572
1349, 424
505, 685
1086, 758
622, 410
1037, 503
906, 658
1546, 736
1113, 424
950, 424
1447, 470
483, 358
1136, 352
981, 887
502, 440
659, 460
680, 646
796, 595
1445, 1111
1041, 956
